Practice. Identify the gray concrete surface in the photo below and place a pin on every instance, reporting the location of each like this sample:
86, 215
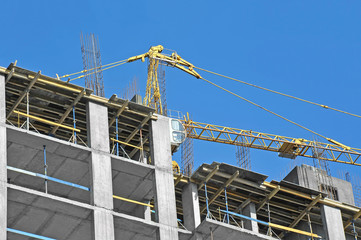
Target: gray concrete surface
190, 203
66, 161
165, 206
306, 176
332, 223
43, 214
250, 211
3, 161
101, 169
132, 180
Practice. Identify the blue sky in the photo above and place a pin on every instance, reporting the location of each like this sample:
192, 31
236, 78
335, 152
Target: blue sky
310, 49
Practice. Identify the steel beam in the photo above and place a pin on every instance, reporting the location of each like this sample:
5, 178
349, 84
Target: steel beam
23, 94
221, 189
68, 110
268, 197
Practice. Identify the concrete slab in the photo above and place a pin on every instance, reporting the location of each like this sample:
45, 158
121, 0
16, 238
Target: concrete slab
45, 215
132, 228
65, 161
132, 180
220, 230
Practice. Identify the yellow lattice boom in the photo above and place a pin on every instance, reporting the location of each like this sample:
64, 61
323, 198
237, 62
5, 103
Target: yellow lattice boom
286, 146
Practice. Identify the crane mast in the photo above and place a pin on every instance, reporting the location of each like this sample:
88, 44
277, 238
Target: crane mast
152, 94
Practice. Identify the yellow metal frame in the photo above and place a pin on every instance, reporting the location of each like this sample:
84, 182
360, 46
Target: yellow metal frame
132, 201
264, 141
152, 95
128, 144
45, 121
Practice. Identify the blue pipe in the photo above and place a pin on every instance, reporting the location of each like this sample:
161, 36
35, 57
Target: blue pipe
116, 134
74, 121
28, 234
205, 189
225, 195
48, 178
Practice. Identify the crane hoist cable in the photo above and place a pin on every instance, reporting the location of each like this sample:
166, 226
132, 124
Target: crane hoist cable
276, 92
103, 69
87, 70
265, 109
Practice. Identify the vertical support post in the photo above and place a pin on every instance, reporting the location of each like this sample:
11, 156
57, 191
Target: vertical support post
250, 211
354, 229
165, 202
3, 161
269, 231
101, 171
190, 202
45, 170
74, 122
225, 197
205, 190
332, 223
116, 135
27, 111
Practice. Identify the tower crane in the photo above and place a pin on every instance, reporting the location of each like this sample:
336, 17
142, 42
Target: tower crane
285, 146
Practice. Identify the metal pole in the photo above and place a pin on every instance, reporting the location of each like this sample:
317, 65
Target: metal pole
141, 145
354, 229
74, 121
205, 189
269, 233
225, 197
116, 135
27, 110
309, 223
45, 170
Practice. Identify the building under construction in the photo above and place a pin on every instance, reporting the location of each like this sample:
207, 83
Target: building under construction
78, 166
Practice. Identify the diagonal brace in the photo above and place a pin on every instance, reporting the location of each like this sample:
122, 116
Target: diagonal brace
23, 94
221, 189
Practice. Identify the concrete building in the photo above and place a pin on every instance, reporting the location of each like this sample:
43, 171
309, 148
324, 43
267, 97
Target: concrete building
77, 166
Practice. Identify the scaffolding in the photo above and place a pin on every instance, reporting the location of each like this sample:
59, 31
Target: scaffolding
92, 63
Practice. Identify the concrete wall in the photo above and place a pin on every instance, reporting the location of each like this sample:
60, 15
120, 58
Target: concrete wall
306, 176
165, 205
102, 189
3, 161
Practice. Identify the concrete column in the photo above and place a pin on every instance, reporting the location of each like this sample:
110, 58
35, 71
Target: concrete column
190, 202
165, 205
250, 211
101, 170
3, 161
332, 223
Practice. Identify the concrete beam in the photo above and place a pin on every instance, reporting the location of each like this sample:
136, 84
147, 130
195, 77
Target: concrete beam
190, 203
332, 223
3, 160
165, 202
101, 170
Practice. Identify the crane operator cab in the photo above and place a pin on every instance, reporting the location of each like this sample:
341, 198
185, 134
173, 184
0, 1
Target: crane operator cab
178, 135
